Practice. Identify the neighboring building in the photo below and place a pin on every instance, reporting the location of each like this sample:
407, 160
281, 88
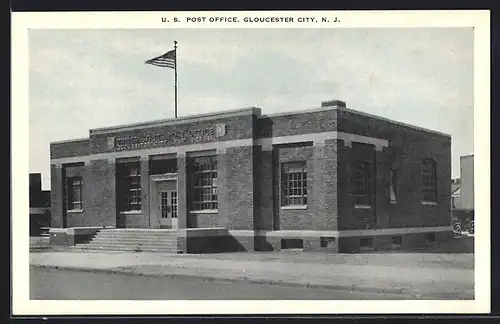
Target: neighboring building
455, 193
329, 178
39, 205
467, 182
463, 192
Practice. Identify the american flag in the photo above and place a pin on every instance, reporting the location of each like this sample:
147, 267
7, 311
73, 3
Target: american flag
166, 60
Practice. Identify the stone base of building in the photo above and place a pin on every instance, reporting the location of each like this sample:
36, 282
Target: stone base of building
339, 242
219, 240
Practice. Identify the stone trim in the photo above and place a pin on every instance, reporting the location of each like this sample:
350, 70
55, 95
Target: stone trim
39, 210
203, 211
318, 138
348, 137
293, 207
163, 177
264, 142
180, 150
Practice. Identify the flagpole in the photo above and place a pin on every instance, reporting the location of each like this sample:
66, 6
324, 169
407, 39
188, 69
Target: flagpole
175, 69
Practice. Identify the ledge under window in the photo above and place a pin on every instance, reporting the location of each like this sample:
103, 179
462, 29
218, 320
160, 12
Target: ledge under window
430, 203
75, 211
362, 207
205, 211
292, 207
131, 212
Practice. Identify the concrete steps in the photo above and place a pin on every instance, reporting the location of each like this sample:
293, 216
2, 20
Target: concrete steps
132, 240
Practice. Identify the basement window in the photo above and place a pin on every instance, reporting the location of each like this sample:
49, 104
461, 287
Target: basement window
396, 241
366, 242
292, 244
327, 241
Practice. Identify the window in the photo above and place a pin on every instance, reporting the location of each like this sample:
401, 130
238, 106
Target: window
366, 242
291, 243
429, 180
130, 185
74, 193
173, 203
205, 183
393, 185
362, 184
294, 183
327, 241
396, 240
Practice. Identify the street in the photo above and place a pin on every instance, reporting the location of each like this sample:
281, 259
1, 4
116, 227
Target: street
80, 285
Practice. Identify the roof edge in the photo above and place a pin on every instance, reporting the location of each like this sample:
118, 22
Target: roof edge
180, 120
81, 139
320, 109
395, 122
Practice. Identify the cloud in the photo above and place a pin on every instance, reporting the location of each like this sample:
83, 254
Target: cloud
95, 78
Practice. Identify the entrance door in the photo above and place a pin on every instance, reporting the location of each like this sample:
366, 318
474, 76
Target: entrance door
167, 208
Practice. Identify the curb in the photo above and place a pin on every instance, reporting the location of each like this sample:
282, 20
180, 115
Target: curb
351, 288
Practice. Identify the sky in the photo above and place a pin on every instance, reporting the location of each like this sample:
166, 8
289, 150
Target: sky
83, 79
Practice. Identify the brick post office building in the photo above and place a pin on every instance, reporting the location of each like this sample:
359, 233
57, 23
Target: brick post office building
329, 178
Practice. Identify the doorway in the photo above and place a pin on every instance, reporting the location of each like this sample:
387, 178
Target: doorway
164, 204
167, 208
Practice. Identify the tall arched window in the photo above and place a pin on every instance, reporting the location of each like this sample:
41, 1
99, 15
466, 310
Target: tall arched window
429, 180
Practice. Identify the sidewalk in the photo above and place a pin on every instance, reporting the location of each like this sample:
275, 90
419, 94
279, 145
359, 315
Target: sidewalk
429, 280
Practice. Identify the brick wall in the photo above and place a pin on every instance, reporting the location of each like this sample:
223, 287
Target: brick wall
145, 194
248, 177
264, 193
203, 220
353, 217
56, 196
98, 192
295, 124
407, 148
101, 197
239, 187
182, 190
296, 218
69, 149
329, 160
83, 217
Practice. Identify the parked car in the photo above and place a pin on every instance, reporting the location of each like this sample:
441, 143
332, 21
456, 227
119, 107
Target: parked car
463, 221
471, 227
